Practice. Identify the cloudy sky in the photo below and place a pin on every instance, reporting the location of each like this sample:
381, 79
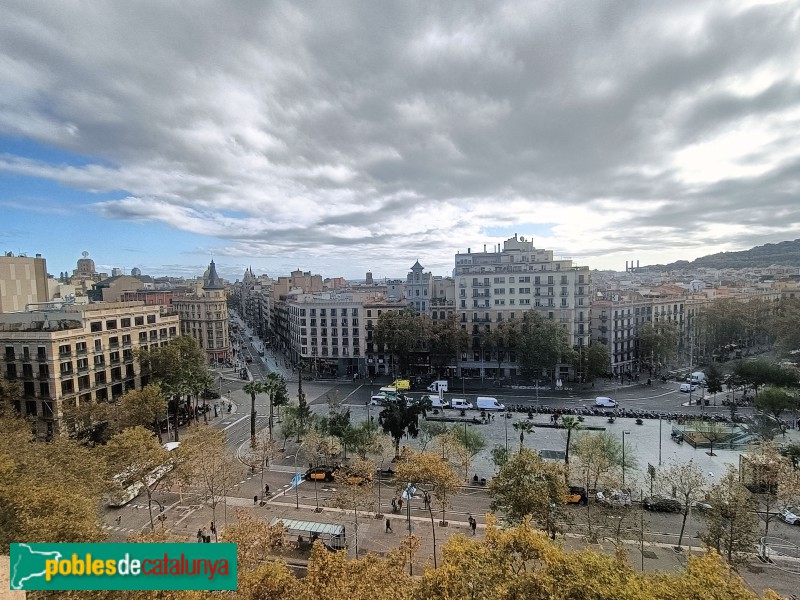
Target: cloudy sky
343, 137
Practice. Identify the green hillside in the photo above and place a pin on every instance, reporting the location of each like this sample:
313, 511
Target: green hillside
782, 253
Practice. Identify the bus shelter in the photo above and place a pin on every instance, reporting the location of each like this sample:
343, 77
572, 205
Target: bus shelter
333, 536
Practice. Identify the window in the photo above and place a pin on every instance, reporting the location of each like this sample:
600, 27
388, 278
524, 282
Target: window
126, 322
138, 321
64, 350
98, 345
151, 319
41, 353
96, 326
111, 324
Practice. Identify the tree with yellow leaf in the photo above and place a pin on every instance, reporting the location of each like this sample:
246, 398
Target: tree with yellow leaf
354, 490
49, 491
528, 486
138, 457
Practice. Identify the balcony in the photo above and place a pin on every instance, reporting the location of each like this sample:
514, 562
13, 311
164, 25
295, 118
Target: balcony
486, 285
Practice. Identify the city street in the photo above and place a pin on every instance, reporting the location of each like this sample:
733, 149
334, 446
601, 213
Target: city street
649, 442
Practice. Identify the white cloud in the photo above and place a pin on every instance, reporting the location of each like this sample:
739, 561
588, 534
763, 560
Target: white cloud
391, 132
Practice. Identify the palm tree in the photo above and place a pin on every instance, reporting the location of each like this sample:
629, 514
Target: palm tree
523, 427
571, 424
275, 386
253, 388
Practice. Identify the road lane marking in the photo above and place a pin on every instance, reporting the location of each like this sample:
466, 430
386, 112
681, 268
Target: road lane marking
235, 422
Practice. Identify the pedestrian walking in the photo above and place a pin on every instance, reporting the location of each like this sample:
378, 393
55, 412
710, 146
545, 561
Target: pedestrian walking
119, 519
400, 504
394, 504
206, 536
389, 526
473, 524
213, 529
266, 489
426, 500
199, 535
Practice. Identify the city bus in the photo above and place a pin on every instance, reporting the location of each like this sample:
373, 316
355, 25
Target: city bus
127, 487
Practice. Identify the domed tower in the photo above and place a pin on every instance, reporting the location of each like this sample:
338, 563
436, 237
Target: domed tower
85, 267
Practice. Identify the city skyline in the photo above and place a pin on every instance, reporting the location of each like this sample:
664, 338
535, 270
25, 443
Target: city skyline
349, 137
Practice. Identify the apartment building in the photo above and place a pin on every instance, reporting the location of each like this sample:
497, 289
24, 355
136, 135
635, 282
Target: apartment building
419, 288
326, 331
502, 284
23, 281
617, 317
67, 356
204, 316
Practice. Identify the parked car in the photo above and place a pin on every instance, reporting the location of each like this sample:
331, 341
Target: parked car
605, 401
614, 498
688, 387
661, 504
791, 515
576, 495
460, 403
377, 400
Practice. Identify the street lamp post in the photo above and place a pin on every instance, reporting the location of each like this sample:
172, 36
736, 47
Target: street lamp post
623, 458
506, 420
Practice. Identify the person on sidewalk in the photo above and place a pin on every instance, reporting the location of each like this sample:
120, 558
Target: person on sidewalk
389, 526
394, 504
473, 524
400, 504
199, 536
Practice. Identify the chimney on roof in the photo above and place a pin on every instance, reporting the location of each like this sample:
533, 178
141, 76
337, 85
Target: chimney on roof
469, 250
626, 266
484, 247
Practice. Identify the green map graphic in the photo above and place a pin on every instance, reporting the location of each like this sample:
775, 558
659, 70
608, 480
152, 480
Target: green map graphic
28, 563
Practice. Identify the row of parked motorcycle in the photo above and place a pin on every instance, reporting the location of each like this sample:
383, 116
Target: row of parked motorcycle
622, 412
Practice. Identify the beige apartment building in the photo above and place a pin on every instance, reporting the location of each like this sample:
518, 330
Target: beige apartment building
617, 317
67, 356
23, 281
204, 316
502, 284
326, 332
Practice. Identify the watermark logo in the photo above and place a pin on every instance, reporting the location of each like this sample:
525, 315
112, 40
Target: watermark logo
123, 567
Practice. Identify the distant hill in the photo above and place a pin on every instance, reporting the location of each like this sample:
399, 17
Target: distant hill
782, 253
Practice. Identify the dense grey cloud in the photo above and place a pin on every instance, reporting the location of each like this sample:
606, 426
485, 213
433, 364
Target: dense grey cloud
391, 131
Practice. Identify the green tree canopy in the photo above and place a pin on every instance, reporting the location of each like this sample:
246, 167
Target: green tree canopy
403, 331
401, 418
527, 485
658, 342
447, 340
541, 343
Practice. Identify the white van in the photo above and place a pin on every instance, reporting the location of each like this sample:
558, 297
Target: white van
488, 403
460, 403
697, 377
436, 386
439, 402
